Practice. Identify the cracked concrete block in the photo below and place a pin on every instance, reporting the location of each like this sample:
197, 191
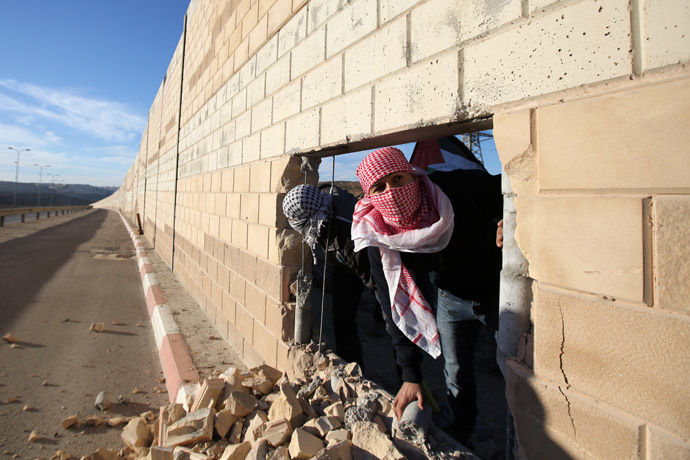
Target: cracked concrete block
235, 435
240, 403
366, 436
193, 428
286, 406
211, 390
304, 445
137, 433
258, 451
236, 451
277, 432
281, 453
258, 381
555, 422
255, 429
341, 450
160, 453
627, 366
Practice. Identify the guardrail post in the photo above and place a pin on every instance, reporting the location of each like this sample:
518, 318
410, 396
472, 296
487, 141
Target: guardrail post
2, 221
22, 218
38, 215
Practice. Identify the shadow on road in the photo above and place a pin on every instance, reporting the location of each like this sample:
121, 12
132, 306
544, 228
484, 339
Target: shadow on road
27, 263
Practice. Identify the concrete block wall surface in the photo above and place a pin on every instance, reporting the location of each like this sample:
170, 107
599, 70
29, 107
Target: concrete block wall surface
589, 101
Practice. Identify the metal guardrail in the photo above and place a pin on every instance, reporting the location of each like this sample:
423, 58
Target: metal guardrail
38, 210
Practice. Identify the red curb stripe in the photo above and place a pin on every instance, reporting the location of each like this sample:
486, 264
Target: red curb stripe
178, 367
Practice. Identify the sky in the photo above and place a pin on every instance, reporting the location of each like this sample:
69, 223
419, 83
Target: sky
77, 78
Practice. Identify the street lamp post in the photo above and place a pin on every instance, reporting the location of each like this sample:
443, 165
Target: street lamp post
16, 174
52, 186
40, 181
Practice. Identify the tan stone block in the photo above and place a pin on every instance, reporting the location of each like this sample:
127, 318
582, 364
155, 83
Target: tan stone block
612, 141
277, 432
232, 208
322, 83
249, 207
273, 141
286, 406
248, 266
237, 287
425, 92
239, 233
390, 9
251, 148
286, 102
225, 229
480, 17
241, 179
261, 115
285, 174
137, 433
554, 422
380, 54
260, 178
539, 56
255, 302
353, 22
255, 93
326, 424
615, 352
304, 445
244, 325
257, 240
195, 427
265, 344
270, 210
435, 27
585, 243
278, 75
225, 419
512, 134
240, 403
258, 35
302, 131
250, 18
347, 118
664, 38
337, 436
257, 420
309, 53
220, 204
341, 450
236, 451
278, 14
671, 255
662, 444
243, 122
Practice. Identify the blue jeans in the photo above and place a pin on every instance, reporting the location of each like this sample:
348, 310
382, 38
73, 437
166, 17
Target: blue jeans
458, 325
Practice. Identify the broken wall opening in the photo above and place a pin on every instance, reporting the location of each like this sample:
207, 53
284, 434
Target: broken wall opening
378, 360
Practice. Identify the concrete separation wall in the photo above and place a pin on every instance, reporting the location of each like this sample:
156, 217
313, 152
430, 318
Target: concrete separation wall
589, 101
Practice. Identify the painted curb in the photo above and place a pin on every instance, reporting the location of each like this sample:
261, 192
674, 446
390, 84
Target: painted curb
178, 367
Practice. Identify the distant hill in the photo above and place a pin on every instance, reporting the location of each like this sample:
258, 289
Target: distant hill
52, 194
351, 186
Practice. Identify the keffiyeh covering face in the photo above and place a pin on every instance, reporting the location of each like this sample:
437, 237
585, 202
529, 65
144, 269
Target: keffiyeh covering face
306, 209
414, 219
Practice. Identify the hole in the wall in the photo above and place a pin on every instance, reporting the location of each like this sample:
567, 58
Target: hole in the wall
377, 350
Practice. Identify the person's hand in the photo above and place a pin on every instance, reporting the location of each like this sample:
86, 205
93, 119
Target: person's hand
499, 234
407, 393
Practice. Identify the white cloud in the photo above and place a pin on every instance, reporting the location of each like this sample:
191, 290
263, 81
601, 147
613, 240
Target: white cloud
109, 120
20, 137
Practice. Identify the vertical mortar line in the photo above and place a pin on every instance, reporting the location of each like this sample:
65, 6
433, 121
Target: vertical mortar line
525, 8
637, 31
146, 171
534, 141
408, 39
378, 14
461, 77
644, 442
158, 167
648, 250
373, 107
342, 75
177, 144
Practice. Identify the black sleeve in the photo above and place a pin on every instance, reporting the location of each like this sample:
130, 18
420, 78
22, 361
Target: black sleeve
407, 355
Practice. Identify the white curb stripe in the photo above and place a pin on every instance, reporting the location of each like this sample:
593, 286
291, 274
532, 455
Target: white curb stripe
163, 323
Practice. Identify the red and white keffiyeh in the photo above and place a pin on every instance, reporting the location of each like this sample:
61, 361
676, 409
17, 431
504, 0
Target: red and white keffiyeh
410, 219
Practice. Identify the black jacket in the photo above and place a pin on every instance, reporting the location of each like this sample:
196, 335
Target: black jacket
469, 267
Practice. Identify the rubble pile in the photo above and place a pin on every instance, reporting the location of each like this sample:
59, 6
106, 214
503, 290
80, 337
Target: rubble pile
321, 408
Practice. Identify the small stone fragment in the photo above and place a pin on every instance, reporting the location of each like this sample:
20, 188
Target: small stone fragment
27, 408
103, 400
14, 345
136, 391
97, 327
9, 338
236, 451
304, 445
33, 437
140, 325
94, 420
70, 421
115, 323
137, 433
116, 421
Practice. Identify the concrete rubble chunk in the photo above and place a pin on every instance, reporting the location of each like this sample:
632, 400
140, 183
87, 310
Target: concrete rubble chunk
195, 427
258, 451
311, 428
281, 453
366, 436
240, 403
353, 370
236, 451
272, 373
216, 449
211, 390
259, 382
320, 361
137, 433
304, 445
102, 454
70, 421
338, 435
167, 416
326, 424
160, 453
300, 362
225, 419
286, 406
338, 451
97, 327
343, 390
33, 436
116, 421
94, 420
307, 409
320, 395
306, 391
354, 414
336, 410
277, 432
235, 435
10, 338
183, 453
256, 426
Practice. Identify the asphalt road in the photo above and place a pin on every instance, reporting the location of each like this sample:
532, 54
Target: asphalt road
54, 283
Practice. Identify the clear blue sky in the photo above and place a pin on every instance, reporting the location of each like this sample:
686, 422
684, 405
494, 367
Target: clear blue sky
77, 78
